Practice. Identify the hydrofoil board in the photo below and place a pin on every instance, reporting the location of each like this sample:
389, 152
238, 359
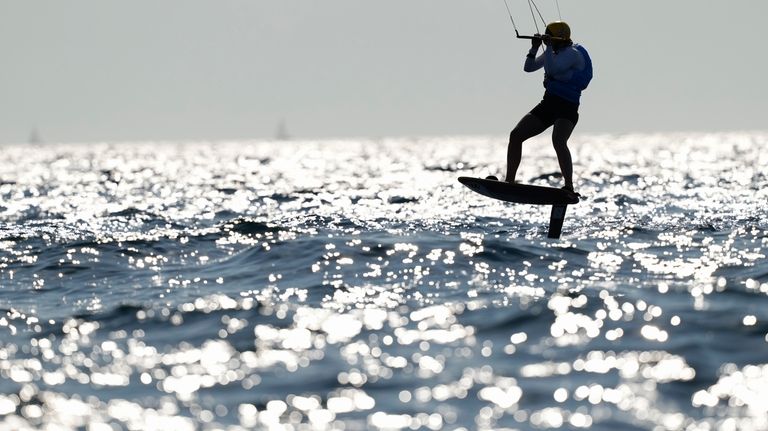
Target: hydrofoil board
519, 193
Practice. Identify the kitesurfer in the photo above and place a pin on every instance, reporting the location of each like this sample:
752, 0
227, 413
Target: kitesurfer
567, 72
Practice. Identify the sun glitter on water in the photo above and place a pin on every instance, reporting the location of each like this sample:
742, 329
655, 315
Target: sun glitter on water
357, 285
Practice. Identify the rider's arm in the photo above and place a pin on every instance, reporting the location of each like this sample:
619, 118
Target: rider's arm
533, 63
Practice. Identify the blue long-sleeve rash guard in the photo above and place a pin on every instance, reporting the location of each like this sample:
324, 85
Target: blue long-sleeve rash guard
561, 66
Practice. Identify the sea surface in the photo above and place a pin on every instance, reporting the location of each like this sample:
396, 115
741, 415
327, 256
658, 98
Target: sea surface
355, 284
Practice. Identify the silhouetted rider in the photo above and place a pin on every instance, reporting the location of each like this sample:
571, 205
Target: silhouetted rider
567, 72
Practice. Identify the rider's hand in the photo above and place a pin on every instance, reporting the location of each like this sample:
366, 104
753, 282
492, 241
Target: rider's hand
536, 41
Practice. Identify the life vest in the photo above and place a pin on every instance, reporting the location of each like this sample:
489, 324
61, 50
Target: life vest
571, 90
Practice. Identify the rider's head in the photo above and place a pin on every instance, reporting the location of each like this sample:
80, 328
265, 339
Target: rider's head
559, 33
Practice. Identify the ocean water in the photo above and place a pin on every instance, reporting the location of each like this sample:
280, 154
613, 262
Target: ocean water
357, 285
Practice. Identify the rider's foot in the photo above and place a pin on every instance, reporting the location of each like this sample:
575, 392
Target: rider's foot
569, 189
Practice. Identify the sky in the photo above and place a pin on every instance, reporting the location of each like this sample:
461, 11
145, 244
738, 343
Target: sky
113, 70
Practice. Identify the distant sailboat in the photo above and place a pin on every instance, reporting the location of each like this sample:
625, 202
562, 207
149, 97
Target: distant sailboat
34, 137
281, 134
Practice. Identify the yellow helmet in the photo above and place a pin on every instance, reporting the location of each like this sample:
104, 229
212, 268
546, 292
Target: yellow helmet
559, 30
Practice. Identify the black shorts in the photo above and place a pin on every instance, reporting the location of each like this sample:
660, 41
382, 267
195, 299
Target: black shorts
552, 108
